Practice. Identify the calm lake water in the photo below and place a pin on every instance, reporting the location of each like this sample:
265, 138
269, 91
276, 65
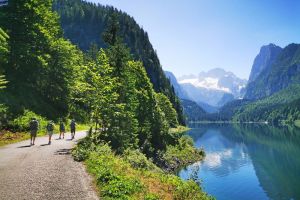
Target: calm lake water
254, 162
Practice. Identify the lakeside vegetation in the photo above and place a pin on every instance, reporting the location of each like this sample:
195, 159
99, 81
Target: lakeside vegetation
297, 123
132, 175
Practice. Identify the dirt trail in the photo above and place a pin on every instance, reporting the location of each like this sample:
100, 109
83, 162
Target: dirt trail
43, 171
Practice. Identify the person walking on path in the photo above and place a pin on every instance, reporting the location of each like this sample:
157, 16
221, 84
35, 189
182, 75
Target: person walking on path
73, 128
62, 129
34, 127
50, 129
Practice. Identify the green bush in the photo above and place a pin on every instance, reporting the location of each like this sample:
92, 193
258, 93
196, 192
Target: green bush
121, 188
131, 175
113, 181
21, 123
138, 160
181, 154
83, 148
3, 116
190, 190
151, 197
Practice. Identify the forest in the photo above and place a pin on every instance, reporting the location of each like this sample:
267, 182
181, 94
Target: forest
133, 120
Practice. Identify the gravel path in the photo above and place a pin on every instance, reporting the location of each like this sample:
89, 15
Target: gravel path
43, 171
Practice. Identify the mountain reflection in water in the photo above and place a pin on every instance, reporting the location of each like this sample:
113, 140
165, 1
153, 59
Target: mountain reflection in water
247, 161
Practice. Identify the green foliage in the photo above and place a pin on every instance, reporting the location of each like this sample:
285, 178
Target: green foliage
85, 22
297, 123
121, 177
113, 182
167, 108
21, 123
151, 197
2, 81
283, 105
181, 154
138, 160
3, 115
188, 190
3, 56
282, 73
42, 65
192, 110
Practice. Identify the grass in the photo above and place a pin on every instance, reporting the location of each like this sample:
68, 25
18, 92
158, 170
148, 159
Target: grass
132, 176
8, 137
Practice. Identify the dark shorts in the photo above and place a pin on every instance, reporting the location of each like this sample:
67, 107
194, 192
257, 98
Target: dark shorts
33, 133
62, 130
72, 130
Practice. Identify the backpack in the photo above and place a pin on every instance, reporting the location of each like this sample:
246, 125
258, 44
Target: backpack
34, 125
73, 124
62, 126
50, 127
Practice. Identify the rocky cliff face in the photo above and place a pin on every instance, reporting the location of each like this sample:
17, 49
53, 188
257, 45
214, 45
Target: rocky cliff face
278, 75
264, 60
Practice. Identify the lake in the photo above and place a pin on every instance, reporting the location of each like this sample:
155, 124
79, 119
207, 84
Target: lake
250, 161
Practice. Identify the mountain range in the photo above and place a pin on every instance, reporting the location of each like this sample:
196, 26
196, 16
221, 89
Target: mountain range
271, 94
214, 88
273, 90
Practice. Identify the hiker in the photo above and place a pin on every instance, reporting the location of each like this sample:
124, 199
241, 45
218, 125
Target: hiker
73, 128
62, 129
34, 127
50, 128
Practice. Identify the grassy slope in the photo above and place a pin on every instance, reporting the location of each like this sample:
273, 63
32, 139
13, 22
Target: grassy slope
132, 176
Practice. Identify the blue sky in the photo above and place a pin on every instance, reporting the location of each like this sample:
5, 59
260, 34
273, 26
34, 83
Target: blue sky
197, 35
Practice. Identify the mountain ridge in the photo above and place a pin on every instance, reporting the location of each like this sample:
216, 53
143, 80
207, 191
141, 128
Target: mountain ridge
285, 70
211, 86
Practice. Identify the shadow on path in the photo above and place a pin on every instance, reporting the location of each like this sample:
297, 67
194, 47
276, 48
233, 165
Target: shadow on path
63, 152
42, 145
25, 146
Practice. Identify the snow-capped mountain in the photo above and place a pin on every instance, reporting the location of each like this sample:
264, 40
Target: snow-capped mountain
210, 87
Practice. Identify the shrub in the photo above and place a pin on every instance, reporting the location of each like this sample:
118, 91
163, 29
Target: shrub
21, 123
138, 160
129, 176
3, 116
111, 175
181, 154
83, 148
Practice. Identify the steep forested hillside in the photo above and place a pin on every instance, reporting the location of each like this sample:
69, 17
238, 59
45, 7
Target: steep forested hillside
84, 24
192, 110
284, 71
177, 88
282, 105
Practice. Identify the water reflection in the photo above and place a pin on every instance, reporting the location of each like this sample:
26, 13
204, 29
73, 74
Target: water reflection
247, 161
